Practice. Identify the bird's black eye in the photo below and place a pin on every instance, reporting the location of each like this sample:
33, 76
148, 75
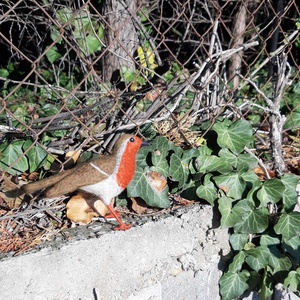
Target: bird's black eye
131, 140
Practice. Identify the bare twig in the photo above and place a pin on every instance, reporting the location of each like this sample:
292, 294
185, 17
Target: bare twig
285, 43
276, 119
260, 162
31, 212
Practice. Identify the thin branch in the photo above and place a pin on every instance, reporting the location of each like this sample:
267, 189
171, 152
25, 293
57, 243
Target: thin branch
31, 211
260, 162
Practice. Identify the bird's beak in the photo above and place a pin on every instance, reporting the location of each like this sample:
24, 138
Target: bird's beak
145, 143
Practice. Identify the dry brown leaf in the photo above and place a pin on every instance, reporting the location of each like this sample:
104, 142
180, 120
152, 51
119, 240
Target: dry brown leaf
261, 173
183, 201
154, 94
289, 152
156, 180
294, 165
82, 210
71, 158
224, 189
139, 206
30, 177
7, 183
11, 200
74, 155
134, 87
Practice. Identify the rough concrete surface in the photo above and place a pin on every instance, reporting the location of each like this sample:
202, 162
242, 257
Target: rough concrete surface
177, 257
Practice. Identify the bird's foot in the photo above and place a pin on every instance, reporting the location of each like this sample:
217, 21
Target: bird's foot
123, 227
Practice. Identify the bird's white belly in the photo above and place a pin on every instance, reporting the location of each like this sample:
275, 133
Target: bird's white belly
106, 189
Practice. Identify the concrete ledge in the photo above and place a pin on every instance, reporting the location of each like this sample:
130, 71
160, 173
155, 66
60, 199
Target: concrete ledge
177, 257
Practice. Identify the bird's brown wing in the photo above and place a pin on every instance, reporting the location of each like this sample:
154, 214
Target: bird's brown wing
81, 176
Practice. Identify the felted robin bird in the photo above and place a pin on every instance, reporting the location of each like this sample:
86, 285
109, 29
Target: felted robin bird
105, 177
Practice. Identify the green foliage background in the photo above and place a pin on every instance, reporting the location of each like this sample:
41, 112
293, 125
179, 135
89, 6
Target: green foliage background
259, 215
264, 228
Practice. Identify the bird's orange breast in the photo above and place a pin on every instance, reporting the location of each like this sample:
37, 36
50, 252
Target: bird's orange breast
127, 165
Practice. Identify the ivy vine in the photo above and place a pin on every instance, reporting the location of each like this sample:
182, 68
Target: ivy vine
260, 217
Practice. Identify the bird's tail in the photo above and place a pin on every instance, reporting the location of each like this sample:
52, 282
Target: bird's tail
33, 187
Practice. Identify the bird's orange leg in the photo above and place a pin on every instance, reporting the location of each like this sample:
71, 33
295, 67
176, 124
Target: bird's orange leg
111, 216
122, 226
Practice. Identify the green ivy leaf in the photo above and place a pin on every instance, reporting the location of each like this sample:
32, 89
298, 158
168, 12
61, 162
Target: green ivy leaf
160, 163
63, 15
93, 44
238, 240
161, 143
126, 74
207, 191
232, 285
235, 136
36, 158
266, 289
232, 184
12, 157
242, 162
27, 144
204, 150
140, 187
293, 121
228, 219
278, 261
249, 246
290, 194
267, 240
49, 161
252, 220
251, 179
246, 162
254, 281
292, 246
55, 36
229, 156
237, 262
142, 156
178, 170
288, 225
189, 159
292, 282
160, 150
270, 192
282, 264
4, 73
21, 112
296, 86
214, 163
52, 54
258, 257
100, 31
